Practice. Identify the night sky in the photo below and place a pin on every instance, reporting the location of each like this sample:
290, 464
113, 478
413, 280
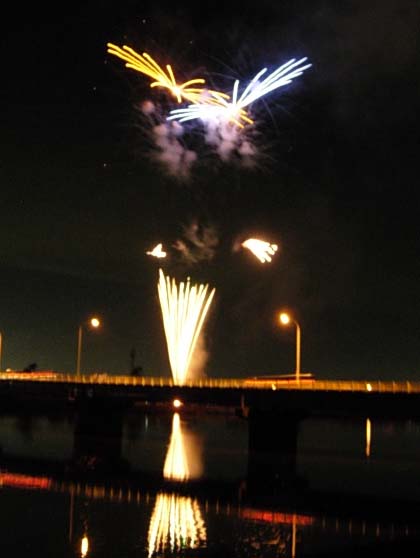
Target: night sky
334, 184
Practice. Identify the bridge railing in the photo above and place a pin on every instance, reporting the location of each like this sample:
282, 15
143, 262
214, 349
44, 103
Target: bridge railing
214, 383
101, 378
340, 385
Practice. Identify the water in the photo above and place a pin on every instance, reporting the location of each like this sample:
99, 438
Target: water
163, 484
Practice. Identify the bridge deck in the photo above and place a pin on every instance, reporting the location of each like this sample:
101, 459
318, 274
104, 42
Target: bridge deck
309, 397
312, 384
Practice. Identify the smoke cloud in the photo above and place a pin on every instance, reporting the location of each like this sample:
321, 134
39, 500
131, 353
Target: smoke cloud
167, 147
230, 141
196, 369
198, 244
171, 142
171, 152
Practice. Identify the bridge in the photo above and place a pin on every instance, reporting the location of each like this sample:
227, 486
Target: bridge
273, 408
308, 397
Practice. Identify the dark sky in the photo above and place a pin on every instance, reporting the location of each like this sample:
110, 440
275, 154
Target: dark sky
334, 184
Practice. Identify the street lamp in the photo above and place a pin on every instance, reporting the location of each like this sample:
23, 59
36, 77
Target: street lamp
94, 323
285, 319
1, 350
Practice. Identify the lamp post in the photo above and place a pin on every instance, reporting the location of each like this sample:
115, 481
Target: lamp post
1, 351
93, 322
285, 319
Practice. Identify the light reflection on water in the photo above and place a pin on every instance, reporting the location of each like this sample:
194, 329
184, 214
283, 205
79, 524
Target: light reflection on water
176, 521
183, 459
368, 457
99, 515
176, 524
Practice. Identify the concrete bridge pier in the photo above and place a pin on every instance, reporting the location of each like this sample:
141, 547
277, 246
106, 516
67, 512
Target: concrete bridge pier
97, 441
272, 446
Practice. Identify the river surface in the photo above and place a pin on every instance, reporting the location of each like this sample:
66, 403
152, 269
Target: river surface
148, 484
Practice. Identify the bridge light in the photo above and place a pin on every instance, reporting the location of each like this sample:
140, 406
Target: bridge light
368, 387
284, 318
177, 403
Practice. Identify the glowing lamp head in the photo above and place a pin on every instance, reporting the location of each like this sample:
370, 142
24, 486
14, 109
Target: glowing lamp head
94, 322
177, 403
284, 318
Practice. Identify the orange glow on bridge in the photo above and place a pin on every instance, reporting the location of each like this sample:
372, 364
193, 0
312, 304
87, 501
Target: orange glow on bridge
276, 517
17, 480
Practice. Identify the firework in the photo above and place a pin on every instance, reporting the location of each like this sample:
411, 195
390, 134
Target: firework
157, 252
147, 65
184, 308
261, 249
279, 78
220, 110
234, 110
176, 524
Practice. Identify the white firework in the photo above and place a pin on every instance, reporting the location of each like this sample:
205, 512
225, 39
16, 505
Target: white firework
234, 110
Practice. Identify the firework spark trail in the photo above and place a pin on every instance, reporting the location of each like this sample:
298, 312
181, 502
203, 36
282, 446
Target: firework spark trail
279, 78
233, 110
157, 251
147, 65
184, 308
223, 111
261, 249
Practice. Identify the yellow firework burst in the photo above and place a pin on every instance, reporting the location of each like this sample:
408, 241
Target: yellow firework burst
147, 65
